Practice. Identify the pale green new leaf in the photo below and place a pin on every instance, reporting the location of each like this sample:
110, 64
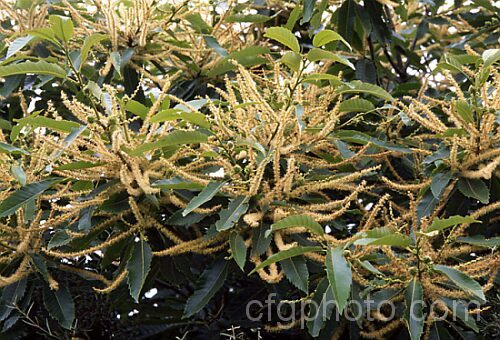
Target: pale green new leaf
63, 27
88, 43
297, 221
327, 36
356, 105
283, 36
316, 54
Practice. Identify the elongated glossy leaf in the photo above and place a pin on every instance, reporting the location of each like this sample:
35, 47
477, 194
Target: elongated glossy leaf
297, 221
414, 312
78, 165
63, 27
238, 249
460, 310
463, 281
474, 188
283, 36
356, 105
174, 114
89, 42
285, 254
178, 137
318, 54
18, 45
7, 148
440, 224
210, 281
357, 86
60, 238
384, 237
229, 216
322, 308
60, 305
28, 67
327, 36
24, 195
426, 205
11, 295
295, 269
339, 275
17, 171
204, 196
138, 267
479, 240
198, 24
439, 183
255, 18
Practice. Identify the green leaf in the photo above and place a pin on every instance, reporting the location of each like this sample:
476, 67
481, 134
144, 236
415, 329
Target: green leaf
383, 236
255, 18
44, 33
293, 17
204, 196
17, 171
198, 24
212, 42
464, 110
18, 45
210, 281
88, 43
78, 165
463, 281
60, 238
439, 183
137, 108
174, 114
474, 188
439, 224
7, 148
490, 57
60, 305
177, 183
460, 310
283, 36
370, 267
327, 36
334, 80
11, 295
316, 54
297, 221
231, 215
24, 195
177, 137
285, 254
414, 309
356, 105
292, 60
339, 275
357, 86
238, 249
295, 269
480, 240
138, 267
247, 57
39, 68
426, 205
323, 308
63, 27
